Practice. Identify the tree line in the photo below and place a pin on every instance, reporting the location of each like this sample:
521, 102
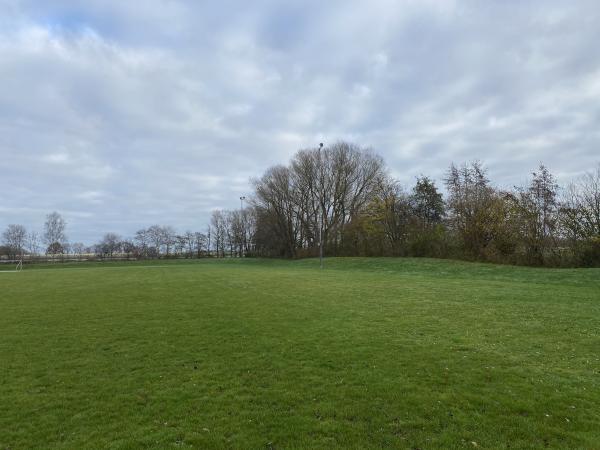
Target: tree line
341, 197
343, 194
228, 234
153, 242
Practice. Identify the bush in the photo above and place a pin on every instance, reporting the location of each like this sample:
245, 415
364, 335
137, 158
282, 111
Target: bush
589, 253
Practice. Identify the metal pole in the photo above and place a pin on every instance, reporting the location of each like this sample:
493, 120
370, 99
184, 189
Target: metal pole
321, 243
321, 224
242, 221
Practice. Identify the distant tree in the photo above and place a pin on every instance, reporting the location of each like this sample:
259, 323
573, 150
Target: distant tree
589, 186
180, 245
426, 232
219, 228
193, 243
279, 214
128, 247
109, 245
580, 209
78, 249
391, 212
143, 242
54, 234
208, 239
14, 239
56, 248
236, 232
200, 244
33, 243
155, 236
168, 236
187, 243
249, 230
579, 218
470, 198
427, 202
539, 216
503, 227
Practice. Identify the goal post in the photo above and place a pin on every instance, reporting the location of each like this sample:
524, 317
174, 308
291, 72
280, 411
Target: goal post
11, 265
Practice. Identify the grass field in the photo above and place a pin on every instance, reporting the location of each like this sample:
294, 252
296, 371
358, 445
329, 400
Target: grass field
370, 353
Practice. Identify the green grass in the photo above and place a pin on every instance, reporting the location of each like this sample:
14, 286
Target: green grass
370, 353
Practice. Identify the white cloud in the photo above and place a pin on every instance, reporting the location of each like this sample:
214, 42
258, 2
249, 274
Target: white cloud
56, 158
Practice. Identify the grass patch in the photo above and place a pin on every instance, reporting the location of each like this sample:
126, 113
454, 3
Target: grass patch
370, 353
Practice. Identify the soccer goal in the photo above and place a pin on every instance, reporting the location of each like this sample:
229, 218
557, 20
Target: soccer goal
11, 265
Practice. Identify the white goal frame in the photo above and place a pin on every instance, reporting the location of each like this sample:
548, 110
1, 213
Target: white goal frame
18, 263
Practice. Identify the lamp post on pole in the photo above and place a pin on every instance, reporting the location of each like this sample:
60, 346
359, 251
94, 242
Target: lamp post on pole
322, 219
243, 223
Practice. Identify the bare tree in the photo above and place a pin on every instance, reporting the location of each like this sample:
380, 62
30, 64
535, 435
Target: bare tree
155, 238
276, 201
54, 233
311, 201
14, 238
78, 249
110, 244
392, 213
200, 243
33, 243
219, 235
580, 207
249, 230
142, 239
128, 247
193, 243
168, 238
187, 243
208, 239
539, 213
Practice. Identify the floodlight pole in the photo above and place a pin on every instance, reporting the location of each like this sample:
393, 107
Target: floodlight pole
242, 198
321, 221
321, 244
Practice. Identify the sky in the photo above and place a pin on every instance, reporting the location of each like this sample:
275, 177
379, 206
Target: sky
120, 115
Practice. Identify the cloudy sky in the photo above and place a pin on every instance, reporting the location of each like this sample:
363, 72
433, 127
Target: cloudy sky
122, 114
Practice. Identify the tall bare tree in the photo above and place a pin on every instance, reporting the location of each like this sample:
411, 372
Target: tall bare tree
276, 201
219, 232
14, 238
168, 238
142, 240
580, 207
33, 243
54, 233
155, 236
539, 213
